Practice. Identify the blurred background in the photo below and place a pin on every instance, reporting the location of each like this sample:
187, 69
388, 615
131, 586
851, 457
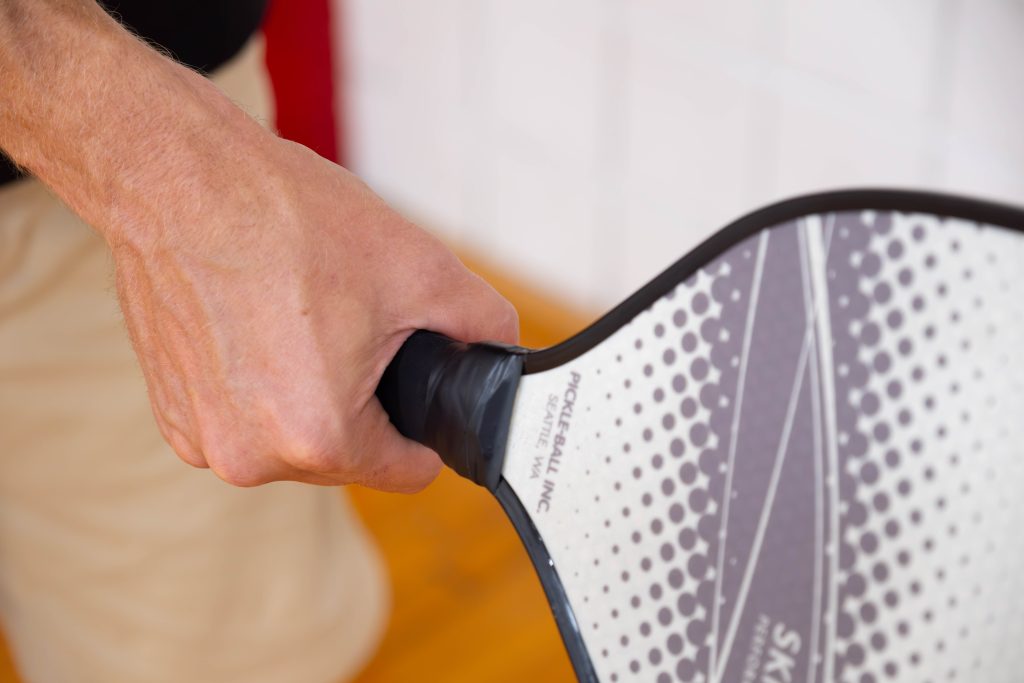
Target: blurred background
586, 145
569, 150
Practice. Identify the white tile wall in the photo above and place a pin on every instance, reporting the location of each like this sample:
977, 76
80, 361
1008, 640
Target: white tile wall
544, 87
586, 144
403, 92
687, 146
985, 101
875, 48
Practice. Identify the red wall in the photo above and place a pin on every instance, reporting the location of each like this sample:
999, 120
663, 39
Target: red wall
299, 57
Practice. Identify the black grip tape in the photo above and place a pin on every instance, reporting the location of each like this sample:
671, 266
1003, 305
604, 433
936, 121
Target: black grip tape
456, 399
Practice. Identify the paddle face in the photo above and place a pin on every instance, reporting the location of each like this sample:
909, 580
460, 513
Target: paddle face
801, 462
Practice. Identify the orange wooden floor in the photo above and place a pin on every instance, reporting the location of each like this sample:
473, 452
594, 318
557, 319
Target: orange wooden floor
467, 604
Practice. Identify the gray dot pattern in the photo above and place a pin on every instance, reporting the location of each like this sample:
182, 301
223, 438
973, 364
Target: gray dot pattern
818, 433
681, 407
924, 570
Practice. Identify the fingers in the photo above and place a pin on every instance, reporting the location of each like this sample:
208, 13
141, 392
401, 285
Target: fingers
458, 303
369, 451
375, 456
387, 460
177, 441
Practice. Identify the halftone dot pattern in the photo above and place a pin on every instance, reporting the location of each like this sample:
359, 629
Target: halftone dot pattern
816, 434
926, 392
662, 508
671, 583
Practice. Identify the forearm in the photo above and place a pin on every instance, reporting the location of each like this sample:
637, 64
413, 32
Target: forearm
118, 131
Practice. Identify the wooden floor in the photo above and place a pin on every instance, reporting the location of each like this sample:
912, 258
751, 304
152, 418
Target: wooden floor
467, 604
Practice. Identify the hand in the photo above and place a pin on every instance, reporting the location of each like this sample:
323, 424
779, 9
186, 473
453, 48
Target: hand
265, 289
265, 309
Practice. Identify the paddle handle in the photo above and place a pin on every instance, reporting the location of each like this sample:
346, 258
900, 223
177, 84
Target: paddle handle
456, 399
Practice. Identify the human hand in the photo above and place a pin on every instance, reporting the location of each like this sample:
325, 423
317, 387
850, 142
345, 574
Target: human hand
265, 289
265, 310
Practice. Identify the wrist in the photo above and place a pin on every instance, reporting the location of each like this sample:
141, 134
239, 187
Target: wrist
122, 134
193, 154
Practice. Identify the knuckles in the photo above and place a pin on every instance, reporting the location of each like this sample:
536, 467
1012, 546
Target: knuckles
238, 462
240, 471
313, 441
310, 451
281, 444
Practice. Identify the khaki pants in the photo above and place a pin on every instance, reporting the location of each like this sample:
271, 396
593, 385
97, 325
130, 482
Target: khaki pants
117, 561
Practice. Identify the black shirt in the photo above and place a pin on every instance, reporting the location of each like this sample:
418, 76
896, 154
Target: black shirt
202, 34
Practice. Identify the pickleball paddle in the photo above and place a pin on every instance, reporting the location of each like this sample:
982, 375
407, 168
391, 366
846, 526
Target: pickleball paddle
795, 455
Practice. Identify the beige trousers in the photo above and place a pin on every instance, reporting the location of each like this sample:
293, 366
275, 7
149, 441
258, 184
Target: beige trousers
117, 561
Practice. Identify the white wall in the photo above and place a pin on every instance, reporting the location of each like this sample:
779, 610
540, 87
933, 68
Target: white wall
587, 144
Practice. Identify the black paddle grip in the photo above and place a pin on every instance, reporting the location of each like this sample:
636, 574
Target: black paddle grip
456, 399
